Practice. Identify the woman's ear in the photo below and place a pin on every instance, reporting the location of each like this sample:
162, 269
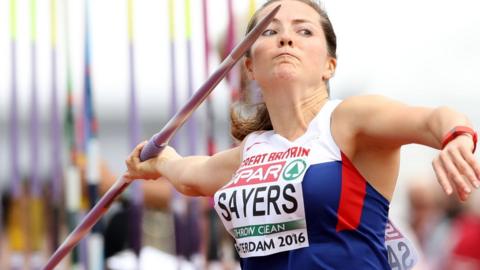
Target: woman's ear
248, 68
330, 67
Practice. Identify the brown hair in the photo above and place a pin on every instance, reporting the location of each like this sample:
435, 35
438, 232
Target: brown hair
242, 125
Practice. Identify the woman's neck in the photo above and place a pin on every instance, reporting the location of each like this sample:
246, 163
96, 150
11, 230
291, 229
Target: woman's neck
292, 109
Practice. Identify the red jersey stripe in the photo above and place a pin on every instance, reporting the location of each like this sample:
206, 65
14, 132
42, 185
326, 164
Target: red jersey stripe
352, 197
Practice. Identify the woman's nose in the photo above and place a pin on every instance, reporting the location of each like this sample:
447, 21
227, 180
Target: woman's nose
285, 38
285, 41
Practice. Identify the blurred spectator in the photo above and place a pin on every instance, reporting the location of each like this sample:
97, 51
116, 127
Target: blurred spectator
447, 231
464, 252
424, 210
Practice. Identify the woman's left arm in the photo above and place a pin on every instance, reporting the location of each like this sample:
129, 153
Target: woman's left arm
390, 124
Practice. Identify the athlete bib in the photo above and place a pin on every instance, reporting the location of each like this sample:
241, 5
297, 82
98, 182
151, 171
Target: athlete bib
262, 206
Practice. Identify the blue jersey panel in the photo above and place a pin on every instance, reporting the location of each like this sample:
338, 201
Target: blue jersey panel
359, 248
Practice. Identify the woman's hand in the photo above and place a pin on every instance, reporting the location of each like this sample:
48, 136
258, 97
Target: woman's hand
148, 169
456, 167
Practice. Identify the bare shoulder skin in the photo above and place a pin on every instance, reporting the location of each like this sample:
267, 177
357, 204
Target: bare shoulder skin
371, 129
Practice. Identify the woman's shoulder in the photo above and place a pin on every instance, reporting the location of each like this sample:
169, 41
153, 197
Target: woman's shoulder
353, 112
361, 105
359, 101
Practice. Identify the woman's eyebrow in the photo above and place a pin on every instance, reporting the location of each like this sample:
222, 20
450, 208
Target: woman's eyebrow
299, 21
294, 21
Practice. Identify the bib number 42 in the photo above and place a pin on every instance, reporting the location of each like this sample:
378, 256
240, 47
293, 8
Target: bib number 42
399, 256
401, 253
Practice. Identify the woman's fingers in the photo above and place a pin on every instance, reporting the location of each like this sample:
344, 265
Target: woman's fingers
463, 166
442, 176
452, 172
136, 152
134, 165
453, 176
473, 163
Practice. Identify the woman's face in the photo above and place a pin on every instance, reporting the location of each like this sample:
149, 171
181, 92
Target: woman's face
292, 48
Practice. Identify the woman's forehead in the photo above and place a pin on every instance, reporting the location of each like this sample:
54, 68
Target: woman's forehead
292, 10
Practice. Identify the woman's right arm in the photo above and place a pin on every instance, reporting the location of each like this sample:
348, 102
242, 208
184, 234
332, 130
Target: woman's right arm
191, 175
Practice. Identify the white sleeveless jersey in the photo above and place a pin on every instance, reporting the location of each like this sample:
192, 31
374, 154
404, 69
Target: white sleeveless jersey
303, 203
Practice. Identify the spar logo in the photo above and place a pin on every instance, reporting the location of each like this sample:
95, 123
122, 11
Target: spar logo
294, 169
265, 173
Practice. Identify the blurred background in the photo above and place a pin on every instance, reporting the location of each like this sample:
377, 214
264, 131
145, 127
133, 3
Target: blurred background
82, 82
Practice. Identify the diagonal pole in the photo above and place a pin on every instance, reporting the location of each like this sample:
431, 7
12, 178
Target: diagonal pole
160, 140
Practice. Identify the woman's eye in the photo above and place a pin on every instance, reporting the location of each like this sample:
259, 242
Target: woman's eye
305, 32
269, 32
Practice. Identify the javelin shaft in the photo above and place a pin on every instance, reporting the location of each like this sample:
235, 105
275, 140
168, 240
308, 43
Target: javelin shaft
87, 223
159, 141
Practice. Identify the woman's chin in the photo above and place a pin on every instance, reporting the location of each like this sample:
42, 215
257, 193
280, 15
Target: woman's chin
285, 76
285, 72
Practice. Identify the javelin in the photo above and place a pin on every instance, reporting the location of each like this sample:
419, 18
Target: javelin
160, 140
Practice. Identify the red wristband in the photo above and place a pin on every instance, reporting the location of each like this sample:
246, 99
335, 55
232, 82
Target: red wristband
457, 131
